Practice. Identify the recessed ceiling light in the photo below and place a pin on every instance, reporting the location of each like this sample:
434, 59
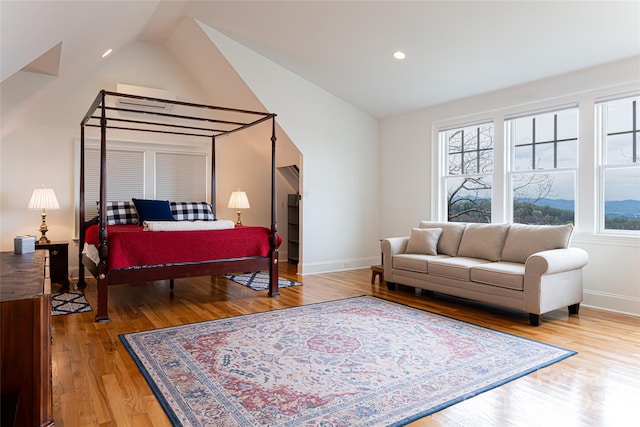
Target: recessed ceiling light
107, 53
398, 54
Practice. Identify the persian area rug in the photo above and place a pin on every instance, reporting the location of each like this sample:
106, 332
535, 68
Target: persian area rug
360, 361
259, 281
69, 303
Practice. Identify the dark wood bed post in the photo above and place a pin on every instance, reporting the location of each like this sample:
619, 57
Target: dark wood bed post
103, 281
213, 176
273, 270
81, 214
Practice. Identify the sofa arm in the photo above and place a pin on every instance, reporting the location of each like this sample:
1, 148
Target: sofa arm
556, 261
390, 247
393, 246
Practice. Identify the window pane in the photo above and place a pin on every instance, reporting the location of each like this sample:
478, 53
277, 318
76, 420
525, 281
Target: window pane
455, 164
544, 198
486, 138
455, 142
471, 139
469, 199
470, 163
544, 156
620, 116
619, 149
544, 127
568, 124
622, 199
567, 154
486, 161
523, 131
523, 158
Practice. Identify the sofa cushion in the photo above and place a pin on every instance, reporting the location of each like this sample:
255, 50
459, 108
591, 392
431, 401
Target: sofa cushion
525, 240
508, 275
423, 241
450, 237
454, 267
413, 262
483, 241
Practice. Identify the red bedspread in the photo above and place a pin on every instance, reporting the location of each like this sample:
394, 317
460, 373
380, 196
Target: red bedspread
129, 246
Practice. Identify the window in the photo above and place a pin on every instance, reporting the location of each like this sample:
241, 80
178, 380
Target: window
125, 177
544, 160
151, 171
180, 177
620, 167
468, 169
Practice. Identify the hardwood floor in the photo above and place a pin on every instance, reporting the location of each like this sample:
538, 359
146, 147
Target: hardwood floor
96, 383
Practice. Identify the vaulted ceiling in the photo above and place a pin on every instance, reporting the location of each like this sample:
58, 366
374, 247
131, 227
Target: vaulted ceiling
454, 49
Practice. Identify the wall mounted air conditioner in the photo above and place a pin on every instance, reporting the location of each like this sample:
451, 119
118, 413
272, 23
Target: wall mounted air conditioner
144, 104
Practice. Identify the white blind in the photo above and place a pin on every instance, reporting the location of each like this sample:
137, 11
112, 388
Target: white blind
181, 176
125, 177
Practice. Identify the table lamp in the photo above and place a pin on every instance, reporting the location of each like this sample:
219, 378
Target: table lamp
239, 201
43, 198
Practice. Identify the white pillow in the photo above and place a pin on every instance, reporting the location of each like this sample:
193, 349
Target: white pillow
423, 241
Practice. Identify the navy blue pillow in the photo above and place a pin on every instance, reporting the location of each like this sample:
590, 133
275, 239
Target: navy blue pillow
153, 210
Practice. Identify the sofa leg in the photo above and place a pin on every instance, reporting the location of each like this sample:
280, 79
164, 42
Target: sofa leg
391, 286
574, 309
534, 319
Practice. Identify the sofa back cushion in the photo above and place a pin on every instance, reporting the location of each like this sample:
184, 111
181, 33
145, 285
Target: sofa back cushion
423, 241
484, 241
525, 240
450, 237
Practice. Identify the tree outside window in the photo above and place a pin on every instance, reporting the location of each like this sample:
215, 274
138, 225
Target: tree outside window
468, 172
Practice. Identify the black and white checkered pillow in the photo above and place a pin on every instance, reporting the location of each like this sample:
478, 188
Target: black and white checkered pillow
192, 211
121, 213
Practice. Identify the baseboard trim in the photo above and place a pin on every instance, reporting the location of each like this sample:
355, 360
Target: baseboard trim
623, 304
338, 265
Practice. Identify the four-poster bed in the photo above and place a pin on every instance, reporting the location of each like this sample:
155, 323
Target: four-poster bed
238, 250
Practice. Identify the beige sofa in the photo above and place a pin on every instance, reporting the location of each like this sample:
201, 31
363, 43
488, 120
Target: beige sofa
525, 267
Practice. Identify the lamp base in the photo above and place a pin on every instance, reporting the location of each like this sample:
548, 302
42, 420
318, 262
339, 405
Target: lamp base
239, 221
43, 229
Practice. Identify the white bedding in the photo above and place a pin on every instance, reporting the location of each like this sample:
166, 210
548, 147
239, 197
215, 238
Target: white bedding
220, 224
92, 253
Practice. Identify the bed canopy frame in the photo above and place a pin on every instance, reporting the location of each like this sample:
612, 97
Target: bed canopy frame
113, 110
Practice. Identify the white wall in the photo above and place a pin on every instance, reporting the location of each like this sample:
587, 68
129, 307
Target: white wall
339, 145
409, 187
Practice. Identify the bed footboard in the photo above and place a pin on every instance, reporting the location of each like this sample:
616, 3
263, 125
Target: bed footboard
141, 275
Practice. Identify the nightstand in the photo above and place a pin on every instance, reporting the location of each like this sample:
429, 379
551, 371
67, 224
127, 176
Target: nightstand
58, 262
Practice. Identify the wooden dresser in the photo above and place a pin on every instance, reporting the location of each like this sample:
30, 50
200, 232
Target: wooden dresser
25, 339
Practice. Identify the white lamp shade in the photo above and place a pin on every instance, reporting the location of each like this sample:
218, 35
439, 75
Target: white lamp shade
238, 200
43, 198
